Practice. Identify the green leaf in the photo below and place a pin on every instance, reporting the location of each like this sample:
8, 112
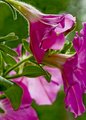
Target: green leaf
12, 91
26, 45
8, 50
68, 48
33, 71
72, 50
9, 37
14, 13
36, 71
32, 59
5, 84
9, 59
1, 64
14, 94
47, 76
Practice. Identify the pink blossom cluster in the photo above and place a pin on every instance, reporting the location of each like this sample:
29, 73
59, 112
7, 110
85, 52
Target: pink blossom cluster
48, 32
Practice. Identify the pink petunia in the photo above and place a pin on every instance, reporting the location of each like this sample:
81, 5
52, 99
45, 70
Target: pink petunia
47, 31
41, 91
74, 75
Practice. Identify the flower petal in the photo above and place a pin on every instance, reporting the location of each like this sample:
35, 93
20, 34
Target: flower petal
26, 99
24, 112
74, 100
42, 91
74, 75
48, 33
53, 41
44, 28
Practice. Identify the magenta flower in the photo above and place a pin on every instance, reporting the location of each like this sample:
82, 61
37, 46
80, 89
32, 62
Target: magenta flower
46, 31
24, 112
43, 92
74, 75
49, 33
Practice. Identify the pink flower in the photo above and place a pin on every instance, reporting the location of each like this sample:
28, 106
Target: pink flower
74, 75
41, 91
47, 31
24, 112
73, 70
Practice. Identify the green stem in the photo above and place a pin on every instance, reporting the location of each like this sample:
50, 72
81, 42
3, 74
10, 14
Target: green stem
15, 76
16, 65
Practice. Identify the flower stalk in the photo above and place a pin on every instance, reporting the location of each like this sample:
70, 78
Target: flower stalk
56, 60
17, 65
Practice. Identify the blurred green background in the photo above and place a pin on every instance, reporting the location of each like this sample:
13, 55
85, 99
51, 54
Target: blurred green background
77, 8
